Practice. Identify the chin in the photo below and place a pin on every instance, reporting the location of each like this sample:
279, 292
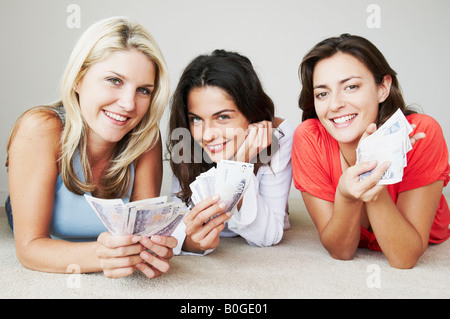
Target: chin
215, 158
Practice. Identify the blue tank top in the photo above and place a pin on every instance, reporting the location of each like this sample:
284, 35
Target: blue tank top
73, 219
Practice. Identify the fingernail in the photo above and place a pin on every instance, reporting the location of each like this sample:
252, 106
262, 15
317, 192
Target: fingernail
135, 239
222, 205
156, 239
215, 197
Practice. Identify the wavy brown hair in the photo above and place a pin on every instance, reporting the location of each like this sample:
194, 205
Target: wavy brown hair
234, 74
368, 54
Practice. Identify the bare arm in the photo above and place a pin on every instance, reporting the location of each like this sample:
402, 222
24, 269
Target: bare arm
33, 171
149, 174
339, 223
403, 230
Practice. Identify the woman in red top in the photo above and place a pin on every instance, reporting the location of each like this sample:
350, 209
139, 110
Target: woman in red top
347, 86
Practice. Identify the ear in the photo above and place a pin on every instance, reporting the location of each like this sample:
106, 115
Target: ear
384, 89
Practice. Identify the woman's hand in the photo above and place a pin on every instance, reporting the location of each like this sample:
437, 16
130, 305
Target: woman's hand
417, 136
118, 255
202, 231
259, 137
352, 189
157, 258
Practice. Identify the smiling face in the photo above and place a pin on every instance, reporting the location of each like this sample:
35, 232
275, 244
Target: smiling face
346, 97
115, 94
215, 122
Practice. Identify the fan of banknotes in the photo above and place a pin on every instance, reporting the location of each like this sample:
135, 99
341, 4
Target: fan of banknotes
390, 142
154, 216
230, 180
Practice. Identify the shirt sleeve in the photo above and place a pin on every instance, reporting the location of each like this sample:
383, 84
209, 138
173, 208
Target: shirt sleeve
427, 162
180, 231
261, 217
312, 166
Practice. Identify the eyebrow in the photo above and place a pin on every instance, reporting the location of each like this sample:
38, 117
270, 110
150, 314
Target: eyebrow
215, 114
323, 86
125, 78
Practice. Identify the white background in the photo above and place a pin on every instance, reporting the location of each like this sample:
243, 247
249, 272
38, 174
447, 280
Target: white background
36, 41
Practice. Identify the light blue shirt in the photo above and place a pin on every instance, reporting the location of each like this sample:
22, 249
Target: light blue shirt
73, 219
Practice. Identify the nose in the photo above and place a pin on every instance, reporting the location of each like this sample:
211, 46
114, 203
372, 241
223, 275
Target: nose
210, 132
127, 99
336, 101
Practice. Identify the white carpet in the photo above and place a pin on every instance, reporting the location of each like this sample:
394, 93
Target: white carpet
298, 267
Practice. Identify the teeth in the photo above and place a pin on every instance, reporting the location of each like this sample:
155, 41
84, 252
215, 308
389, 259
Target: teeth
117, 117
215, 147
343, 119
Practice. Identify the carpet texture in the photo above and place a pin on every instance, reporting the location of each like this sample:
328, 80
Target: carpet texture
298, 267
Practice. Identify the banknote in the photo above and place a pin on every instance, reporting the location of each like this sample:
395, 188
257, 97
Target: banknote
154, 216
230, 180
390, 142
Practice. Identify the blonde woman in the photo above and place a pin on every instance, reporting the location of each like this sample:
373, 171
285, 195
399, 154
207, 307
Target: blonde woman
102, 138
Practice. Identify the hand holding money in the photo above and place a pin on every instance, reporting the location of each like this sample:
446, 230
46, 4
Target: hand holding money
120, 256
229, 180
391, 143
147, 217
204, 223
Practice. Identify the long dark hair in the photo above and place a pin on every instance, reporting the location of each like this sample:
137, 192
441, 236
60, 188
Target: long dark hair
234, 74
368, 54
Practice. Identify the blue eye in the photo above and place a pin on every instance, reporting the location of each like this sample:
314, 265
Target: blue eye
321, 95
144, 91
352, 87
114, 81
223, 117
195, 120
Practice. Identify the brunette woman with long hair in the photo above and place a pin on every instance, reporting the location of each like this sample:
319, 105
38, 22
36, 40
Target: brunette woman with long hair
219, 111
348, 91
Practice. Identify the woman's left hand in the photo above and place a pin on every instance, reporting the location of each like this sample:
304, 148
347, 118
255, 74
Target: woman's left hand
157, 260
259, 137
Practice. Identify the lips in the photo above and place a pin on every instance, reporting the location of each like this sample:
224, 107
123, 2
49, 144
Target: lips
216, 147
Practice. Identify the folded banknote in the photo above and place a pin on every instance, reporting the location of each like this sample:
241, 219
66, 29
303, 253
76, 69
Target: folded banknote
154, 216
390, 142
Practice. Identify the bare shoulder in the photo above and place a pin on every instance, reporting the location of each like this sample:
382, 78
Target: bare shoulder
37, 130
38, 123
38, 119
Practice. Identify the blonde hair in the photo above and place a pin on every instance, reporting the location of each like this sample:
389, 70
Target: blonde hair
96, 43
